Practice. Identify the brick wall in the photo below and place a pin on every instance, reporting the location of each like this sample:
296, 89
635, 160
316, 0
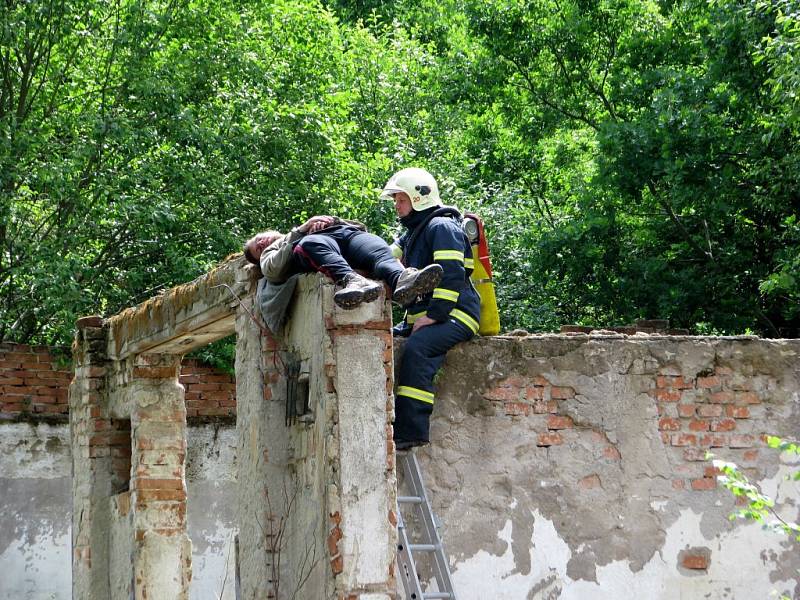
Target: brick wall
210, 392
582, 461
716, 411
34, 381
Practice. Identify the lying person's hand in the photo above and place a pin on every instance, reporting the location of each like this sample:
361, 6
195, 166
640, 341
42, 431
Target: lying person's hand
316, 223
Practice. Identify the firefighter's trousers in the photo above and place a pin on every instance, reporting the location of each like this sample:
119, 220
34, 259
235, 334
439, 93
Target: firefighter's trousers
423, 354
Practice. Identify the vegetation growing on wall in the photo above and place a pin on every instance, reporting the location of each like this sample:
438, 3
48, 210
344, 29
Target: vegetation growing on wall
631, 158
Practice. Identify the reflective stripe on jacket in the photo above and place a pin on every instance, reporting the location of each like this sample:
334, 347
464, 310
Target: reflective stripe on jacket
443, 242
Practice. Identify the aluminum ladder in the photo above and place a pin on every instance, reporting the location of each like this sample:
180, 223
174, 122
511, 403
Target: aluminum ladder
431, 542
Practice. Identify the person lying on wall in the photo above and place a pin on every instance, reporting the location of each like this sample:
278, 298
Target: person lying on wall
337, 248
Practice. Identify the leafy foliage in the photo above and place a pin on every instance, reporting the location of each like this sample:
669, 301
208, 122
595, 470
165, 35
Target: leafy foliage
632, 158
760, 507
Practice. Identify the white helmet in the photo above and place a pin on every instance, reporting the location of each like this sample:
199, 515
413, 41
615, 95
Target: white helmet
418, 184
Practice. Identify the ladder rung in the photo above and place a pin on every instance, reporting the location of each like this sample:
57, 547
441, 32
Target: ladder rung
433, 595
409, 499
423, 547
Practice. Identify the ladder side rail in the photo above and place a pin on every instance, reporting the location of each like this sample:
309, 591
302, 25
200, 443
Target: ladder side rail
405, 562
442, 570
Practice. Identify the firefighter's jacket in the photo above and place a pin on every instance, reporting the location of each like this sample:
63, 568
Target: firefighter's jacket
442, 241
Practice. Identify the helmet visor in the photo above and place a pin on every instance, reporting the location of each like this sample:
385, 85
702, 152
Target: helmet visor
389, 191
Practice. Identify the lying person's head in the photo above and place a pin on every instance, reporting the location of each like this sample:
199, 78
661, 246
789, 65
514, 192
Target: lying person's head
256, 244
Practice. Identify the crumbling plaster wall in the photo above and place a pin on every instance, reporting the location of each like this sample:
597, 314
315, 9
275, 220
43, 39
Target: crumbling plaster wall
35, 503
35, 509
572, 466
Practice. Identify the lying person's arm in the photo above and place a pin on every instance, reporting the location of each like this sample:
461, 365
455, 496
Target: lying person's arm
276, 259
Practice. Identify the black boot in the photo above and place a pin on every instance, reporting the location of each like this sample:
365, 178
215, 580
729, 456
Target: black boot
416, 282
355, 290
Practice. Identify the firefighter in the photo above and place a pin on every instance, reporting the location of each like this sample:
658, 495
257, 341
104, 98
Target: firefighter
438, 320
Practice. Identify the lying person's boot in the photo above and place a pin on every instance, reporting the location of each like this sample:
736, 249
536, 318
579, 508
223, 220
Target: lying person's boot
416, 282
355, 290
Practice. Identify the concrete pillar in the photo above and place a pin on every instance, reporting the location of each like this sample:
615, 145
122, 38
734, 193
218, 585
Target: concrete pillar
362, 535
261, 457
162, 551
91, 439
316, 493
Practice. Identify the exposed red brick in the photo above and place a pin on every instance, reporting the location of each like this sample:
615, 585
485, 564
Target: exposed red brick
160, 495
559, 422
143, 483
218, 378
516, 409
704, 484
215, 412
683, 439
548, 406
22, 390
721, 397
19, 357
678, 484
35, 366
205, 387
686, 410
154, 372
669, 424
534, 393
549, 439
747, 398
665, 395
713, 441
673, 382
562, 393
502, 393
696, 562
737, 412
49, 409
589, 482
148, 443
337, 565
95, 371
709, 382
611, 453
215, 396
709, 410
698, 425
750, 455
333, 541
723, 425
742, 441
